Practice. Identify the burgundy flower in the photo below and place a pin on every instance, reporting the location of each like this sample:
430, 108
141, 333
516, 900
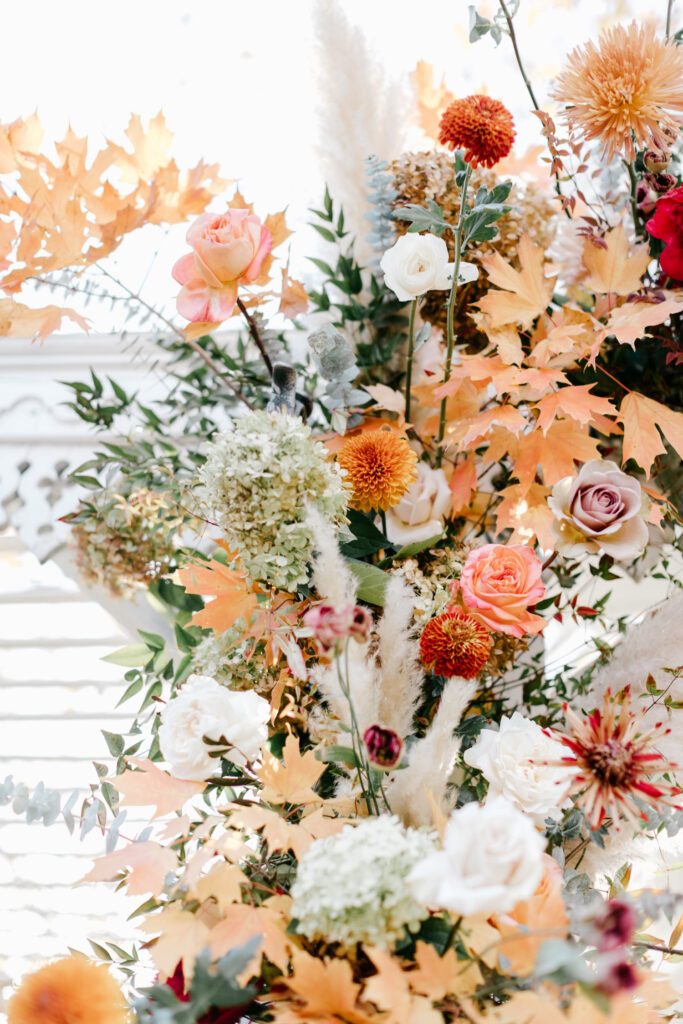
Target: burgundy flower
621, 977
383, 745
615, 925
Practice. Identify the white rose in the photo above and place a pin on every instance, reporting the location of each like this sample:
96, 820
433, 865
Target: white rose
421, 510
492, 858
416, 264
514, 761
205, 708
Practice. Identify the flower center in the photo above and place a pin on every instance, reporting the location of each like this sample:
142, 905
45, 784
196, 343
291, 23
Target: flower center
611, 762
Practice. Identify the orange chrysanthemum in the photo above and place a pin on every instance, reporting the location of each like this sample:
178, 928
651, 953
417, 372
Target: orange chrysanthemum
454, 644
614, 762
69, 991
380, 466
629, 85
482, 126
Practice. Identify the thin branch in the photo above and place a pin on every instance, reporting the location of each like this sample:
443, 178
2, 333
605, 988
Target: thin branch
197, 348
671, 950
253, 330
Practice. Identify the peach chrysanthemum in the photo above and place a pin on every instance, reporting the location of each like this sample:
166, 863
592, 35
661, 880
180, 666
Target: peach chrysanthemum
482, 126
380, 467
69, 991
454, 644
628, 85
614, 762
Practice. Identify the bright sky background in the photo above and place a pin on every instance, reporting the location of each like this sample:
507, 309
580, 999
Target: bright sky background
238, 83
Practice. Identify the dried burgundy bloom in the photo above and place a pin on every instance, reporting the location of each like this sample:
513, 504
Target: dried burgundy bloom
621, 977
384, 746
615, 925
330, 624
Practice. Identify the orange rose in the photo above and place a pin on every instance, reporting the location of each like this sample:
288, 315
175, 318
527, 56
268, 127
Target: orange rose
544, 912
498, 584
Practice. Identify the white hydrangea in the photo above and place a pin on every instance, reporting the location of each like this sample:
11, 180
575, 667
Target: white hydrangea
256, 484
352, 888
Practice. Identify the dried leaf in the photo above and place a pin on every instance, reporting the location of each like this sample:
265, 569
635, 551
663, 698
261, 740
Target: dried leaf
182, 936
234, 598
576, 401
19, 321
149, 865
617, 268
641, 417
527, 292
153, 787
243, 922
290, 780
554, 453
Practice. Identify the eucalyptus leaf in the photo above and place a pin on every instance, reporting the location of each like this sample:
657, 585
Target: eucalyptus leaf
372, 582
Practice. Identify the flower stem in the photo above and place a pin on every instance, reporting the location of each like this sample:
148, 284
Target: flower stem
451, 935
409, 360
253, 330
669, 8
451, 305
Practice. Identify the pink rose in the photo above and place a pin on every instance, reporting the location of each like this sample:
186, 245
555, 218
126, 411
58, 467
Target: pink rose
227, 250
600, 510
330, 624
498, 583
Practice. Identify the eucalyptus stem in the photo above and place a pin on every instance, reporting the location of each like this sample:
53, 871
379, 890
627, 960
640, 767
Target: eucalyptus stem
409, 360
451, 305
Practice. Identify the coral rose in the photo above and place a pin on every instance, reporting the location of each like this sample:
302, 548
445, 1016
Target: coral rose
227, 250
667, 224
543, 912
498, 584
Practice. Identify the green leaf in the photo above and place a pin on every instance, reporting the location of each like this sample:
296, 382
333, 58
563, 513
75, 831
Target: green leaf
132, 656
114, 742
417, 546
429, 218
325, 232
367, 538
337, 753
153, 640
372, 582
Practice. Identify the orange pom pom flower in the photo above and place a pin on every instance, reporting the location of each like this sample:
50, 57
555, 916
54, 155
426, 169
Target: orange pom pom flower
482, 126
72, 990
454, 644
380, 466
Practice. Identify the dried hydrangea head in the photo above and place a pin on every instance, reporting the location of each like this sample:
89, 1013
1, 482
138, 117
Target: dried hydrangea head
351, 887
257, 483
72, 989
454, 644
380, 466
480, 125
614, 763
628, 85
124, 543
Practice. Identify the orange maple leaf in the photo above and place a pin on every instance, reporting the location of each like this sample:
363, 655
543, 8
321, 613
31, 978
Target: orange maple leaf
182, 936
281, 834
327, 990
149, 865
617, 267
431, 100
388, 988
440, 976
242, 922
290, 780
642, 417
153, 787
233, 597
526, 292
576, 401
527, 514
463, 481
293, 296
19, 321
628, 322
502, 415
553, 452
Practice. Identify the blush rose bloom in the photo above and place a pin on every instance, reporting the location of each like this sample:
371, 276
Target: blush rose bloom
544, 911
492, 858
417, 264
498, 584
228, 250
420, 512
205, 708
514, 760
601, 509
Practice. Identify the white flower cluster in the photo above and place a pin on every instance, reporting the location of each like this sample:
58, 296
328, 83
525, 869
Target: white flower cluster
352, 887
256, 483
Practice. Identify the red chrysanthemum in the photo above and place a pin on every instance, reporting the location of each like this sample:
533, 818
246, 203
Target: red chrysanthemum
614, 763
482, 126
454, 644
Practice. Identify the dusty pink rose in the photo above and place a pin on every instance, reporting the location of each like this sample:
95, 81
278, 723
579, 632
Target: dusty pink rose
498, 584
600, 510
331, 624
227, 250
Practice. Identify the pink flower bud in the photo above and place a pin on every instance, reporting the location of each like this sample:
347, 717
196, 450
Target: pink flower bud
384, 747
621, 977
330, 624
656, 161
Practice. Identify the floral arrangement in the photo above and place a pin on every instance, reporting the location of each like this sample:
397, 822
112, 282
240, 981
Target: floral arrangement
375, 797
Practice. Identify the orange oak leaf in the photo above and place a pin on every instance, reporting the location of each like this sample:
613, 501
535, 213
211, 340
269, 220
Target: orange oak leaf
153, 787
182, 936
526, 292
326, 990
233, 597
618, 267
149, 865
641, 417
553, 452
289, 781
19, 321
576, 401
242, 922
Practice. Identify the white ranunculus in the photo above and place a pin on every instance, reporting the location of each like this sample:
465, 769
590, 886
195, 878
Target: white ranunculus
416, 264
421, 510
205, 708
514, 759
492, 858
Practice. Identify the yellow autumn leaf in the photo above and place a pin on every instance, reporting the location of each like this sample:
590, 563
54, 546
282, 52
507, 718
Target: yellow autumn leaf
643, 418
150, 786
182, 936
149, 865
615, 266
526, 293
290, 780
